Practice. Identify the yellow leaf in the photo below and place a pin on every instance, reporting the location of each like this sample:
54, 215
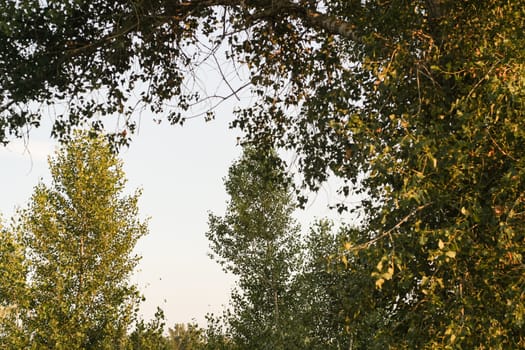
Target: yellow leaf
424, 280
441, 245
388, 275
344, 260
451, 254
379, 283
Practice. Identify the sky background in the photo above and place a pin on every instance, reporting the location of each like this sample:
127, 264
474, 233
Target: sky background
181, 172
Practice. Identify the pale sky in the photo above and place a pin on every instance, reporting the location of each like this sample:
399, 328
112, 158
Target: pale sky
181, 171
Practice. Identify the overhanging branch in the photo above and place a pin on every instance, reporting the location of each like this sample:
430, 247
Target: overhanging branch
278, 9
331, 24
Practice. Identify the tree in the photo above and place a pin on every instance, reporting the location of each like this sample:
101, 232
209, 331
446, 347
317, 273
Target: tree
149, 336
258, 241
418, 104
341, 308
324, 283
12, 288
12, 273
186, 337
79, 233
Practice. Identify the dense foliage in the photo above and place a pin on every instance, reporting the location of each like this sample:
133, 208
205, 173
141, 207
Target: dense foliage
419, 104
12, 272
78, 235
294, 291
258, 241
12, 287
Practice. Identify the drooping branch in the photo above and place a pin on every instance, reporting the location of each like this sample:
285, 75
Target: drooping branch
85, 49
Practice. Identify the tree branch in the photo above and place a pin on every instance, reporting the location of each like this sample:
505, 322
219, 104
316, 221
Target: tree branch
389, 231
331, 24
279, 8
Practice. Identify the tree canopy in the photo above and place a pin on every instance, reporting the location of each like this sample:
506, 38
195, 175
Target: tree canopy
12, 286
78, 235
258, 241
418, 104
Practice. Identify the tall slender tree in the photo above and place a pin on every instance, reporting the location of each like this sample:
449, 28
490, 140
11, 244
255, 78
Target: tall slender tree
79, 233
258, 241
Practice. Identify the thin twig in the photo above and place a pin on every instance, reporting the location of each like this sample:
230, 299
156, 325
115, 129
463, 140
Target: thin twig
389, 232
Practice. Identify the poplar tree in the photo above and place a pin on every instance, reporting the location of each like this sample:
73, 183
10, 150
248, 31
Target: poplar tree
79, 233
258, 241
